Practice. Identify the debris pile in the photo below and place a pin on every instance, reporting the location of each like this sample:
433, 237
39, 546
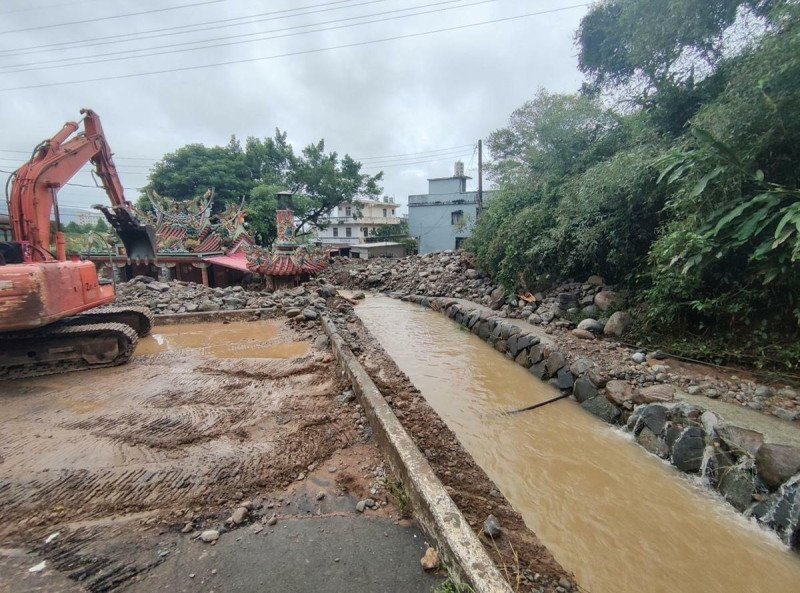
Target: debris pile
188, 297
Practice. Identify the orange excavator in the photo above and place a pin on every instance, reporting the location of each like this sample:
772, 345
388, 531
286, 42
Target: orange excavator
54, 313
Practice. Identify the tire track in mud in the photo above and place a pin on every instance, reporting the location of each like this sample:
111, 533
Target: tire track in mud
164, 433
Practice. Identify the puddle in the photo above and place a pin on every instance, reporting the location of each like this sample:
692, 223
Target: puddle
222, 340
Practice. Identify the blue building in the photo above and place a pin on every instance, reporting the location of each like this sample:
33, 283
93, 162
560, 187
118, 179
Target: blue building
444, 217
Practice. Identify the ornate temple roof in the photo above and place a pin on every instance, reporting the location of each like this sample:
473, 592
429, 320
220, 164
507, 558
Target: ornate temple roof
188, 227
280, 263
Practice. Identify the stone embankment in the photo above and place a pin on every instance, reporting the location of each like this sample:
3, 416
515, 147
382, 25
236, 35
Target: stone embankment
757, 478
575, 314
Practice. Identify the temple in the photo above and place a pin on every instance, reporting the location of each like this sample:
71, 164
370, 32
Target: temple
193, 245
288, 265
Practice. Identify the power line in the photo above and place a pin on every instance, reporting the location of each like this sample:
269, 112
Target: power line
389, 156
124, 54
129, 158
79, 184
45, 6
291, 54
108, 18
451, 155
414, 163
141, 35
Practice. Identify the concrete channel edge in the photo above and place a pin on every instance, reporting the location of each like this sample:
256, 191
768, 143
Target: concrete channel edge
436, 513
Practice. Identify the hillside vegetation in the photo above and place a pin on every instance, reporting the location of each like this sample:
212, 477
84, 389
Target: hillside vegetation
673, 172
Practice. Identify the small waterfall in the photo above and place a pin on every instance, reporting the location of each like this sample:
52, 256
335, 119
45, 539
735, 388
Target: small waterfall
782, 511
707, 477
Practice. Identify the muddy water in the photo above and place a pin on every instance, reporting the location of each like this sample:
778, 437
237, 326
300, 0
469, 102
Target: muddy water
620, 519
222, 340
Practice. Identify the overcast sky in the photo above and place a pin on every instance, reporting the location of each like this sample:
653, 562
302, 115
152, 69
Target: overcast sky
414, 96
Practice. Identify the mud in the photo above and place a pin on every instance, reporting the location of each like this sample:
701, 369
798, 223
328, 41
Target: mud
519, 555
174, 429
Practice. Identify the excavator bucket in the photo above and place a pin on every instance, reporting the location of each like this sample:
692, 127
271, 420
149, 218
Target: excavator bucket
138, 238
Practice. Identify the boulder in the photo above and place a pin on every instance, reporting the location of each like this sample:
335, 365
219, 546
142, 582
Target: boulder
654, 418
536, 354
564, 378
777, 463
581, 366
618, 392
740, 440
208, 306
737, 485
598, 377
653, 443
654, 393
617, 324
537, 370
584, 389
688, 450
596, 280
554, 362
602, 408
591, 325
582, 334
782, 512
605, 299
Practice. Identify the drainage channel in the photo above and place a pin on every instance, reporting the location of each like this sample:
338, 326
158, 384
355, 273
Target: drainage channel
620, 519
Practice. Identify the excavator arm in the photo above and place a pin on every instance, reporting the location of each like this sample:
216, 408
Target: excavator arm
34, 192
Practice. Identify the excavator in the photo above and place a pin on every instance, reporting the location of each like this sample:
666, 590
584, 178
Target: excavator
54, 311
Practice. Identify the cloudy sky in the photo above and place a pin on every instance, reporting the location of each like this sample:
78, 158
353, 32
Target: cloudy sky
407, 86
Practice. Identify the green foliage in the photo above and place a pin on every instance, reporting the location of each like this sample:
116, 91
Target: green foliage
319, 180
451, 586
687, 191
656, 43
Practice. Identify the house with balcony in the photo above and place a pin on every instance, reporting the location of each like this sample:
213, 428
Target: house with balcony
351, 223
443, 218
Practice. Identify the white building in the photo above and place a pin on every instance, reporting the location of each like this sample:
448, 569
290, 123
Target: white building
89, 217
352, 222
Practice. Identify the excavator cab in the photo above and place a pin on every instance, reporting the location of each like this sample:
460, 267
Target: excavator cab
137, 237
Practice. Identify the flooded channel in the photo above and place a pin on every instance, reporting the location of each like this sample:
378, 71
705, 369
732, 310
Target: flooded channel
254, 339
619, 518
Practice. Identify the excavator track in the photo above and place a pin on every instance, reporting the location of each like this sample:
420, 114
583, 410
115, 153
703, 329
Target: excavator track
65, 347
139, 318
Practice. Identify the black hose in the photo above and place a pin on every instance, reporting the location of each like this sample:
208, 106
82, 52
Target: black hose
539, 405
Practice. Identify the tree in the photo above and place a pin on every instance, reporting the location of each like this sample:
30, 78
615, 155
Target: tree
656, 44
195, 168
100, 226
318, 181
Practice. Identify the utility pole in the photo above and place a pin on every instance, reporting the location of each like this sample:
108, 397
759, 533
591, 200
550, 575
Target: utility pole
480, 176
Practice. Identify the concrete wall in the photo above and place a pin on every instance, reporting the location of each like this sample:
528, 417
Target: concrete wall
367, 252
432, 223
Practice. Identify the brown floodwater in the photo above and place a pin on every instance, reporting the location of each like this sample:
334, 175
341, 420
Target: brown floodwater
254, 339
620, 519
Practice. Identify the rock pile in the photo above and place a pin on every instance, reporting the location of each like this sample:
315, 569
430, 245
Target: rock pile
453, 274
187, 297
574, 313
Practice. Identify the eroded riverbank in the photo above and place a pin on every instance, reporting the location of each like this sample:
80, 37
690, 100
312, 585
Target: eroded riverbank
619, 518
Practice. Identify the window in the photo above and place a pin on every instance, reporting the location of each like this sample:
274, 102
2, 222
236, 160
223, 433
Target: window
347, 211
385, 214
365, 230
335, 232
348, 231
457, 217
